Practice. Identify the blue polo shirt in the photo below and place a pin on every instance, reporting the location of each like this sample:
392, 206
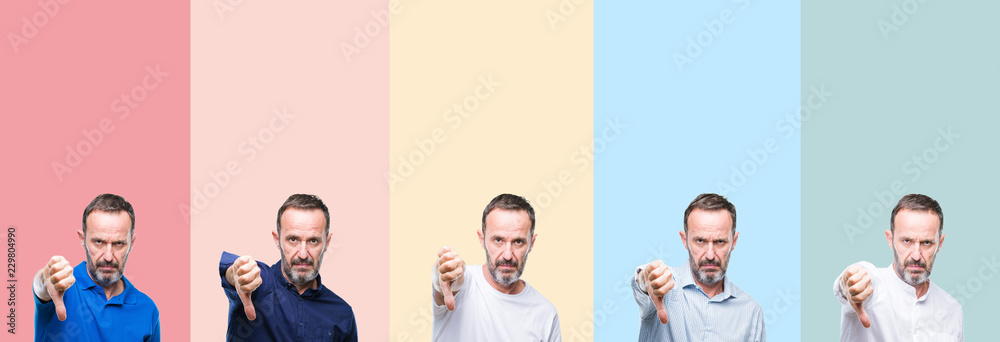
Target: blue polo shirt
284, 315
90, 316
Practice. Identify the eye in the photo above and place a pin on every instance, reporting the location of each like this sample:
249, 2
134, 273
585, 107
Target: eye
98, 242
497, 240
906, 240
519, 242
927, 243
699, 240
293, 239
119, 244
719, 242
314, 240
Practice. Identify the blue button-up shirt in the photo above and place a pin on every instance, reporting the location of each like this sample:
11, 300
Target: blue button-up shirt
285, 315
91, 316
729, 316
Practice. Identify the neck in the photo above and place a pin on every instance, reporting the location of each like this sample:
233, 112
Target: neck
112, 290
712, 290
302, 289
511, 289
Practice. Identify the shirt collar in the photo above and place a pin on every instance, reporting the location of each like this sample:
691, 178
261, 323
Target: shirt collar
686, 278
309, 293
86, 283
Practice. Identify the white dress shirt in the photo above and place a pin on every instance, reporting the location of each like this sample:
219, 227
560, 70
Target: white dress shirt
897, 314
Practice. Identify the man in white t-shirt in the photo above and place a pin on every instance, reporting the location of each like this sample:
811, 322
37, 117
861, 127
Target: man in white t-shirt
899, 302
490, 302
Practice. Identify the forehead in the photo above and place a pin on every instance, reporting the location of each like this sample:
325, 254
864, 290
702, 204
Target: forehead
508, 222
105, 223
304, 222
709, 224
916, 223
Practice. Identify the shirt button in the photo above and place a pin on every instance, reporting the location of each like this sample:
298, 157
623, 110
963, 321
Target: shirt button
300, 324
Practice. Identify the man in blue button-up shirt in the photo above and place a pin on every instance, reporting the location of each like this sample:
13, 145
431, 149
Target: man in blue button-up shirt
287, 301
94, 301
697, 302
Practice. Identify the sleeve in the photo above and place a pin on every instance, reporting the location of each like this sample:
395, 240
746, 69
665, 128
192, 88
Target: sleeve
761, 335
155, 335
354, 329
43, 310
555, 335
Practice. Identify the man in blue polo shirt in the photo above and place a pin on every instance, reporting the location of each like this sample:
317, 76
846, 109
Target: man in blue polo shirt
94, 301
287, 301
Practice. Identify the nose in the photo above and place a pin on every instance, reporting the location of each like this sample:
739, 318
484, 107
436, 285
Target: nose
106, 253
507, 251
302, 252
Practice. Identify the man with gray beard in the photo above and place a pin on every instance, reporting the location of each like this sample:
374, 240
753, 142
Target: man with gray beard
490, 302
705, 306
287, 301
899, 302
94, 301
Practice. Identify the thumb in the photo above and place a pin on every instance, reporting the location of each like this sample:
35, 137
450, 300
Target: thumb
661, 311
862, 314
57, 299
247, 305
449, 297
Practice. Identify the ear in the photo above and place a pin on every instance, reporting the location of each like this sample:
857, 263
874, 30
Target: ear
888, 237
684, 239
532, 244
735, 237
940, 243
79, 232
482, 239
328, 239
277, 241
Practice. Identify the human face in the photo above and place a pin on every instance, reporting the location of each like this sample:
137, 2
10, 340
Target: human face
709, 241
107, 243
915, 244
302, 244
507, 240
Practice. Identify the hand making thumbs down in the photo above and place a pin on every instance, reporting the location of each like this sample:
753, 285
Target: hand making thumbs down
448, 278
856, 286
244, 274
659, 280
54, 279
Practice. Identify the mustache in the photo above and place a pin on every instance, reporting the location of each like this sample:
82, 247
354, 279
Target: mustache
505, 262
715, 262
310, 262
102, 263
915, 263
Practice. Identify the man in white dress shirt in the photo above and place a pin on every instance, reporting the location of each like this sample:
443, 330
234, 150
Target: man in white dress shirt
899, 302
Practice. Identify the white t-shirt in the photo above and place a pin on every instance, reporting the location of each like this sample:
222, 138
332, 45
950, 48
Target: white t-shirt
897, 314
484, 314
